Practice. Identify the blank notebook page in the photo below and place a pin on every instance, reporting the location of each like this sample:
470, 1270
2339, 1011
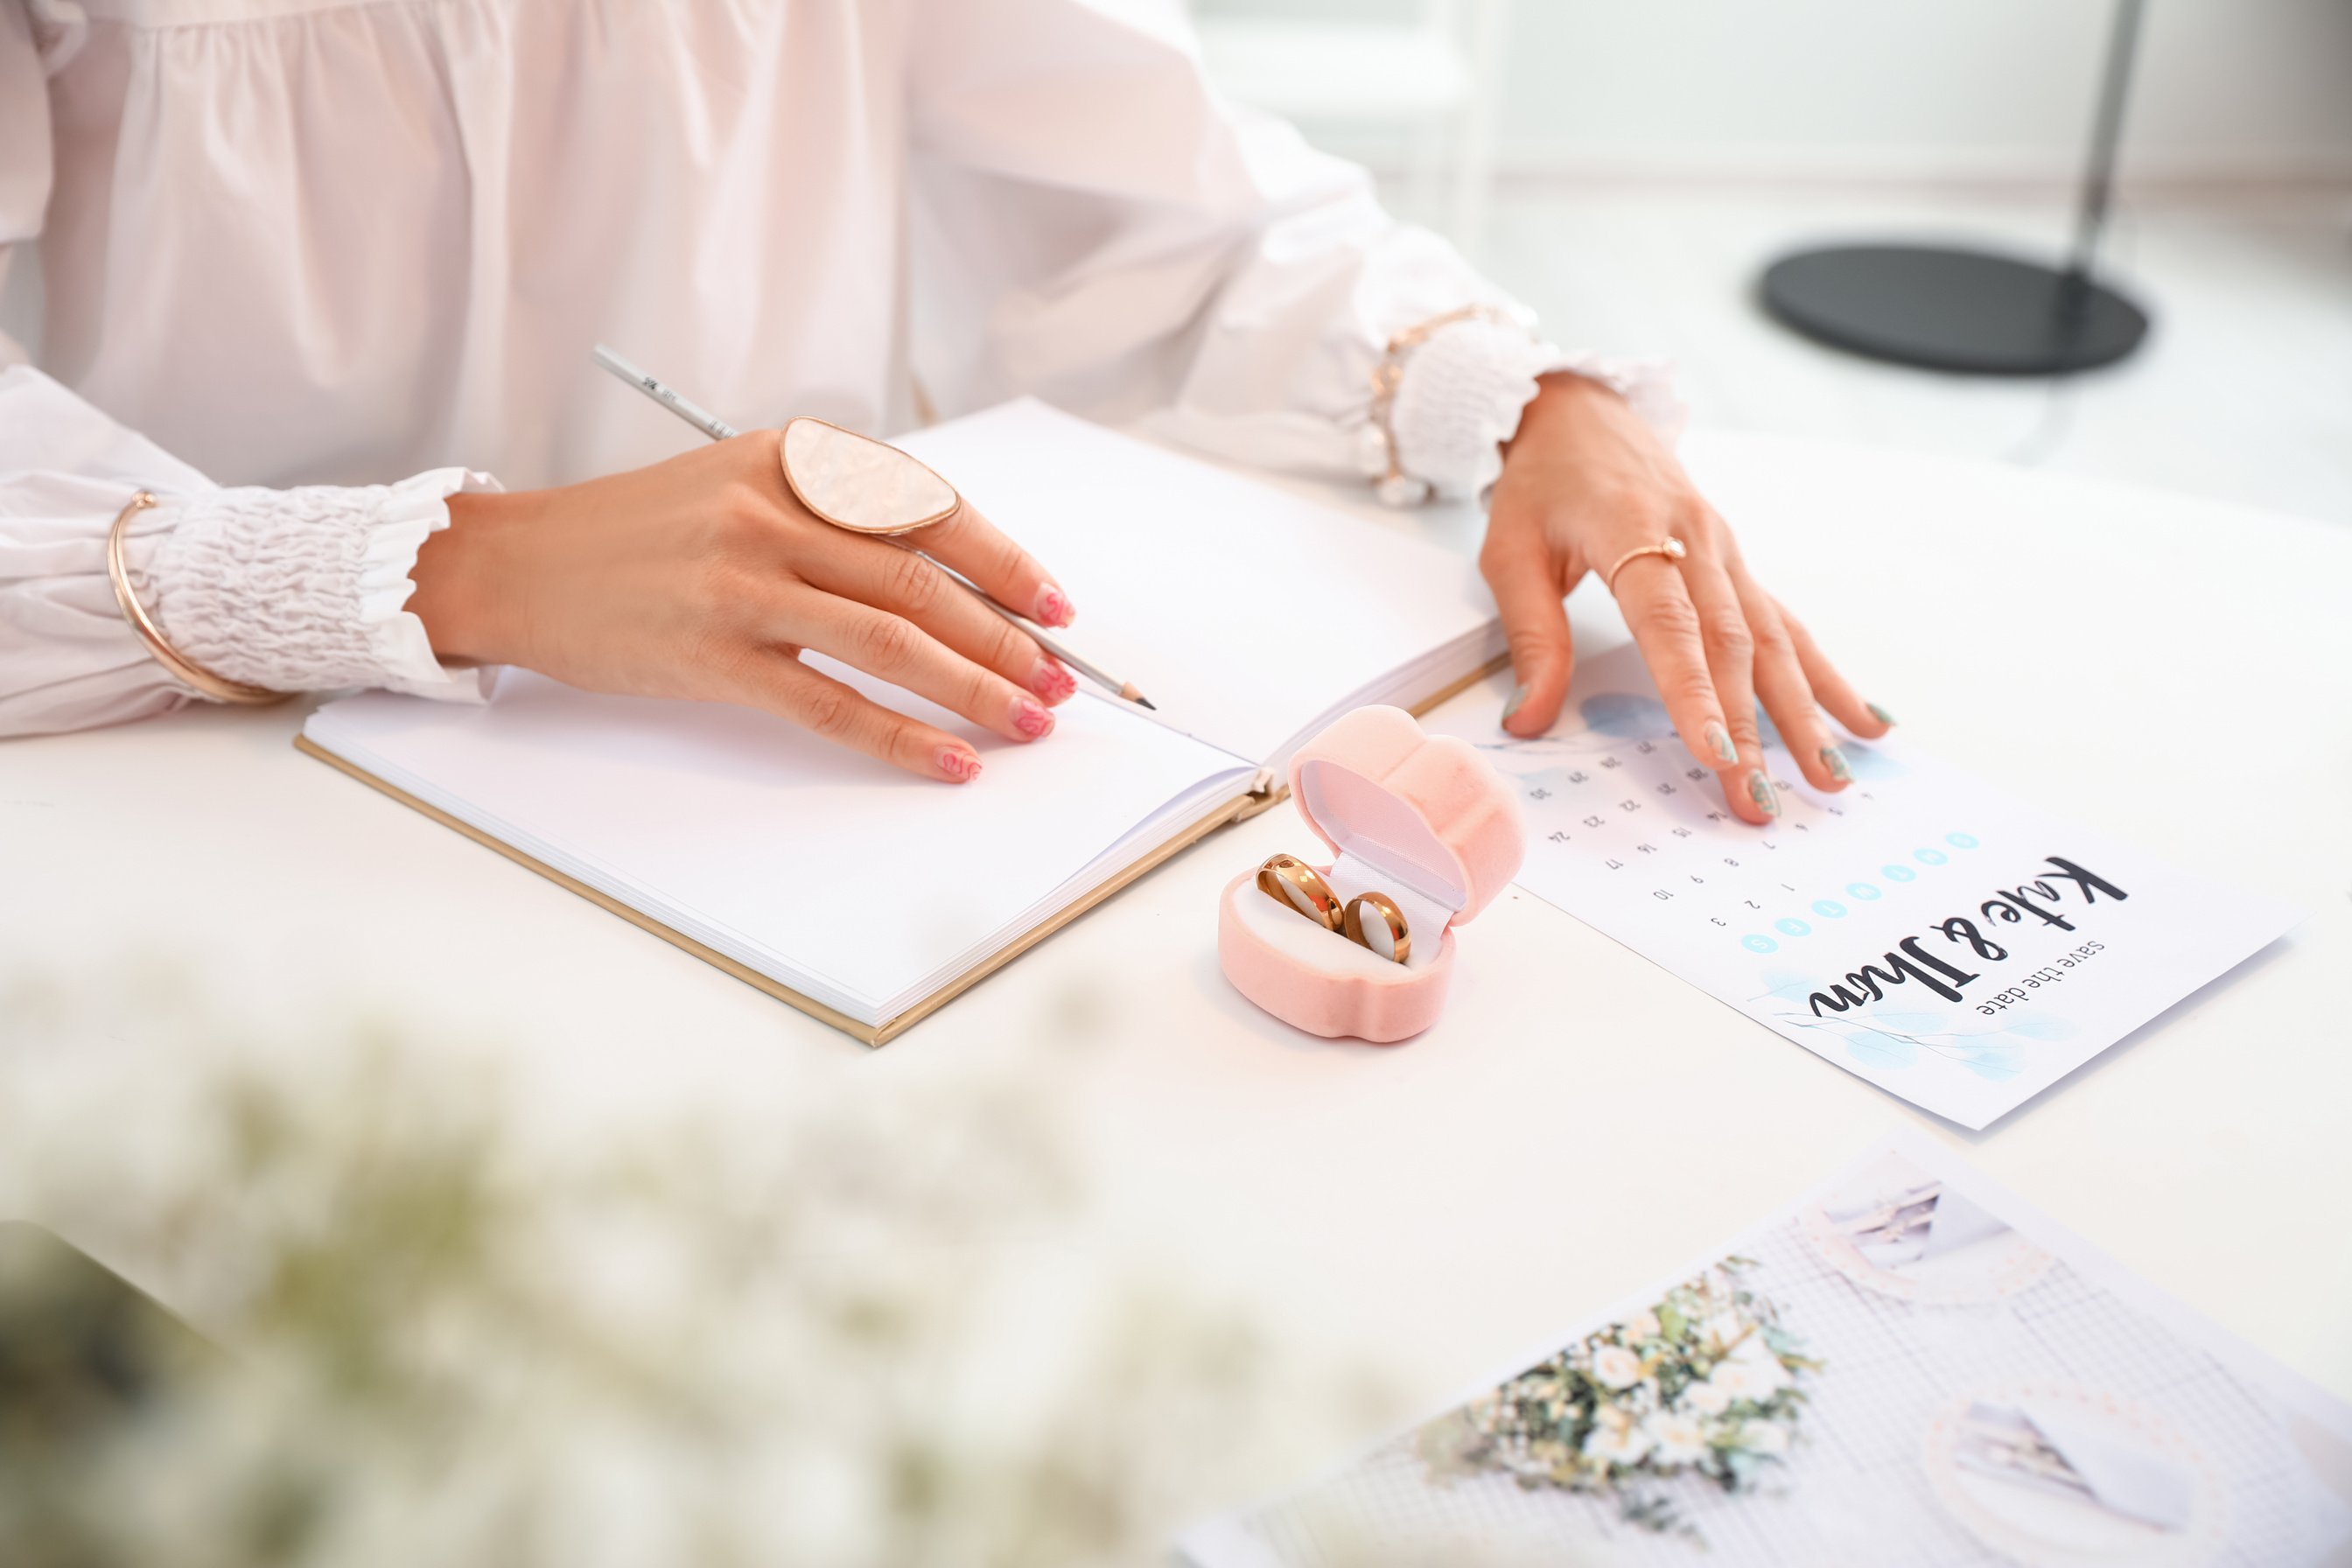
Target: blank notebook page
856, 884
1244, 611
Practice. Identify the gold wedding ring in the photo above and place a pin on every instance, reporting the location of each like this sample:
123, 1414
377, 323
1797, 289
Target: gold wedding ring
1288, 879
1670, 547
1293, 883
1384, 933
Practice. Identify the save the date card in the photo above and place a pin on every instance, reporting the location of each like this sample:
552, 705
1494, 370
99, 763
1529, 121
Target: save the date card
1950, 944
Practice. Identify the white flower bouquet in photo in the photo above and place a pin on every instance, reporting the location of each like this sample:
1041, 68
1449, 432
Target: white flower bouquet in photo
1705, 1383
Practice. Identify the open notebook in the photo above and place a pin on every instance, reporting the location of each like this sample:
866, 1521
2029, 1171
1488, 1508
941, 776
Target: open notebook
868, 897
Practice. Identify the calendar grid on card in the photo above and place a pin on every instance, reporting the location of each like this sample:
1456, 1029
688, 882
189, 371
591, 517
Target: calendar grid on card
1907, 924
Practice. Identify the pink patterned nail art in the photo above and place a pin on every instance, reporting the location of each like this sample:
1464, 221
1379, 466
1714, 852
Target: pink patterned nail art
1051, 681
1054, 607
959, 764
1032, 720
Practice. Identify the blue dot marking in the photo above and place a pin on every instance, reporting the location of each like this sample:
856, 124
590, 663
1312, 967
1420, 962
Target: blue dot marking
1929, 857
1792, 928
1898, 873
1960, 840
1862, 890
1829, 908
1759, 945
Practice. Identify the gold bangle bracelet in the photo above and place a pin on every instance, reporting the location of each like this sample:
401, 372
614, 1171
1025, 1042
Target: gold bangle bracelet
218, 688
1388, 376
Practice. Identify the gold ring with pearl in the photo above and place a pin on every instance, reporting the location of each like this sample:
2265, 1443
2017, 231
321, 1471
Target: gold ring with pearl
1670, 547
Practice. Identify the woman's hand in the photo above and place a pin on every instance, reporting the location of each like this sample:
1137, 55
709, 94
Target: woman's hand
703, 577
1583, 482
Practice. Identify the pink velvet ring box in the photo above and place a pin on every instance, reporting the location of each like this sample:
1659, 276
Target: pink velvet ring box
1425, 820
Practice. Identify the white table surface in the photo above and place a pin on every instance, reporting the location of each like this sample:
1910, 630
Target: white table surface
1581, 1122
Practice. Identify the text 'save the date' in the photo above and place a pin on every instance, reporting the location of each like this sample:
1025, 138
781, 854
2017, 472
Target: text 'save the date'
1945, 974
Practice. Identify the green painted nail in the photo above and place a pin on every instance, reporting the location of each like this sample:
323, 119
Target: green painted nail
1721, 741
1881, 714
1834, 759
1759, 790
1518, 695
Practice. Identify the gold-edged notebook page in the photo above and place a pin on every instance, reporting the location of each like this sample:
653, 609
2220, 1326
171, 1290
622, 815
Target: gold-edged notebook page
867, 898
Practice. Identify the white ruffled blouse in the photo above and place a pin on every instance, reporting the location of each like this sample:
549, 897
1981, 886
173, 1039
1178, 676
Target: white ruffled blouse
312, 266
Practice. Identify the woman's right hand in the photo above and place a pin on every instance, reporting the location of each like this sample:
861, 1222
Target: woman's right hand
704, 577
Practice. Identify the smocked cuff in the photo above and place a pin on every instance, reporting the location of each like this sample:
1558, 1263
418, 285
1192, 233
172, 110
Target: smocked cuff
1463, 391
306, 589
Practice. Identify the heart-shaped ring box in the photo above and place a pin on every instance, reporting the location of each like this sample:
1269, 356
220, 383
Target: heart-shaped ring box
1425, 819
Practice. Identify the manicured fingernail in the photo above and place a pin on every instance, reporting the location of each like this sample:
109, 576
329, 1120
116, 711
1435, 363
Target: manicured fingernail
1759, 790
1051, 681
1881, 714
1519, 696
1054, 607
957, 764
1834, 759
1032, 720
1720, 739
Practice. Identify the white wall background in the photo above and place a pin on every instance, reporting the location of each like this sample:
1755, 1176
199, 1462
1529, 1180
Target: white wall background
2226, 91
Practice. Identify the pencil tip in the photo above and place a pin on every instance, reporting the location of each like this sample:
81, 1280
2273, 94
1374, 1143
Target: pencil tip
1147, 702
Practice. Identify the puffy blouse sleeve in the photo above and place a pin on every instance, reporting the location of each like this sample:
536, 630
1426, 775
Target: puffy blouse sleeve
1094, 224
294, 589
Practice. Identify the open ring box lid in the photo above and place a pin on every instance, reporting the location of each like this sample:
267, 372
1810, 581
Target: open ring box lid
1425, 820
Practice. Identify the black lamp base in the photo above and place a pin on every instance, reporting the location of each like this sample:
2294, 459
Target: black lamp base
1962, 310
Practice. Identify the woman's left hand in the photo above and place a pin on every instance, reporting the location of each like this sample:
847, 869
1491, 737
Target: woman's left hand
1584, 481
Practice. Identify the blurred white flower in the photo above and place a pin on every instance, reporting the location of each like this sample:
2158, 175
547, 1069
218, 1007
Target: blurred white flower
1674, 1440
1616, 1366
1616, 1440
1744, 1379
1703, 1399
1642, 1325
462, 1341
1768, 1438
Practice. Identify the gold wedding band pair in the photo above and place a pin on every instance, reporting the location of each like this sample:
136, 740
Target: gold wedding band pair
1292, 882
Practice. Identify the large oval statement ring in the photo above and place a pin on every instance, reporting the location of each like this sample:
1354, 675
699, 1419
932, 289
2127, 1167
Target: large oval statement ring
1670, 547
856, 482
